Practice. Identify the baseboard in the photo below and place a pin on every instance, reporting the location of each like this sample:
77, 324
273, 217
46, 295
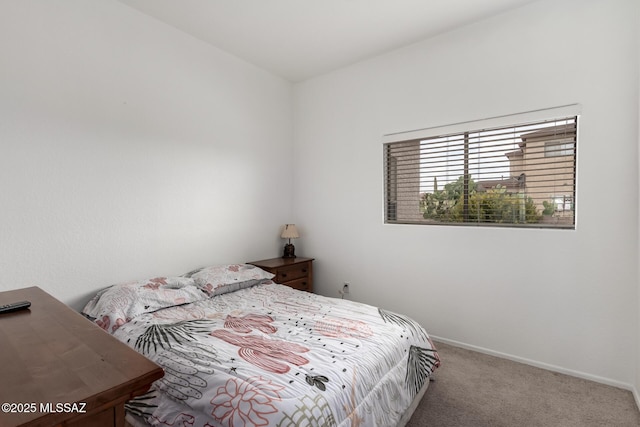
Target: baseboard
549, 367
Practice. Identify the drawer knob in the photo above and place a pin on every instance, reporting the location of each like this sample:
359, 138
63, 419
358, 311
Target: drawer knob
304, 270
284, 274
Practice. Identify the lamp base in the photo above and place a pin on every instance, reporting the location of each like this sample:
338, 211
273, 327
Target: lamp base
289, 251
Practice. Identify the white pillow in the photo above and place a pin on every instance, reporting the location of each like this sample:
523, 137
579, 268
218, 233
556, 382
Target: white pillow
221, 279
116, 305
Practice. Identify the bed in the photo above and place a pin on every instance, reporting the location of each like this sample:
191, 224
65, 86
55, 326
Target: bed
238, 349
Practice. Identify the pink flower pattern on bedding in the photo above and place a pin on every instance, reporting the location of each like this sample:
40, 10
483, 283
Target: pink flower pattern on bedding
343, 328
269, 355
248, 323
266, 353
246, 403
156, 283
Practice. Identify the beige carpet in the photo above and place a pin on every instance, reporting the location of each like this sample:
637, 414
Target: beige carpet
476, 390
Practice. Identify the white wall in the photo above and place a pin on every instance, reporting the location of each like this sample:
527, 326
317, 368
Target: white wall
637, 382
129, 150
562, 299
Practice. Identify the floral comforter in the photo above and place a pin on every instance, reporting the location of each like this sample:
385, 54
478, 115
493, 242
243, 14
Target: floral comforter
270, 355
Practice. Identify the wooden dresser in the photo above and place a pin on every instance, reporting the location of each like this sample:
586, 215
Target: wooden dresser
59, 369
294, 272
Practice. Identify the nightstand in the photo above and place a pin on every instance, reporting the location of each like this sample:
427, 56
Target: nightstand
60, 369
294, 272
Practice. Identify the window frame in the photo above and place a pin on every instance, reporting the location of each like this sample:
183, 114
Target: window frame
568, 147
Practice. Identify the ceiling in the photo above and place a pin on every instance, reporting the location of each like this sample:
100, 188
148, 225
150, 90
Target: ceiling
301, 39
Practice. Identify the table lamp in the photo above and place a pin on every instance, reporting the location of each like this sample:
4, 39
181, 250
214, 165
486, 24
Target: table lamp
289, 232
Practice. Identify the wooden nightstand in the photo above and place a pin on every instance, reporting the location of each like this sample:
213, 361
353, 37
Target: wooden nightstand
61, 370
294, 272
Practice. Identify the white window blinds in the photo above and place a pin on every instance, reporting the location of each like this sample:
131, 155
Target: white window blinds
518, 175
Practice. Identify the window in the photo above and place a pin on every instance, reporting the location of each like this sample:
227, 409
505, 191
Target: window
558, 148
517, 175
563, 203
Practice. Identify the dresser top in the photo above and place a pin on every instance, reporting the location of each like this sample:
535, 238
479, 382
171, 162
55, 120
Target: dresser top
52, 354
279, 262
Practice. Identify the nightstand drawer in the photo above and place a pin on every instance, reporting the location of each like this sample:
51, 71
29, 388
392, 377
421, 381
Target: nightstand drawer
300, 284
287, 274
293, 272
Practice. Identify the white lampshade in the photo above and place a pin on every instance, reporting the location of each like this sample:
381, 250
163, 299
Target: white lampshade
290, 232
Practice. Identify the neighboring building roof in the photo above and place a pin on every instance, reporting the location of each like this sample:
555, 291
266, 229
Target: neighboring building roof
556, 132
515, 153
